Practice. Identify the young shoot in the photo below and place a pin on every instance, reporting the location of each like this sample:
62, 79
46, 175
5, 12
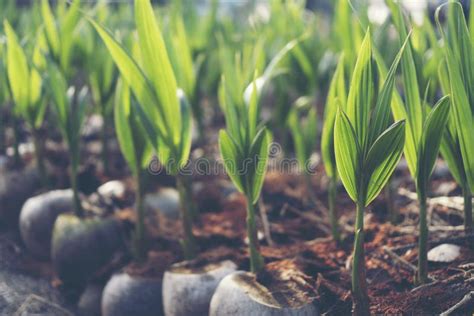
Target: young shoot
70, 105
165, 116
336, 96
367, 149
303, 124
60, 32
244, 147
137, 151
425, 129
102, 79
456, 79
26, 85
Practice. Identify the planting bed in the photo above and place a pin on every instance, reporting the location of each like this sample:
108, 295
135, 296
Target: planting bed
300, 244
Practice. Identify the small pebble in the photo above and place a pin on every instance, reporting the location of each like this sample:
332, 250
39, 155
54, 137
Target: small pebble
444, 253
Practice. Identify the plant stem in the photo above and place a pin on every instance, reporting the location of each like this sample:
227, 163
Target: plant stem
105, 151
188, 243
422, 276
361, 306
332, 192
16, 145
77, 201
40, 158
140, 247
256, 259
468, 224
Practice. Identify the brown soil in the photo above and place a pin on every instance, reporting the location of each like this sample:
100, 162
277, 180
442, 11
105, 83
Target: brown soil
300, 248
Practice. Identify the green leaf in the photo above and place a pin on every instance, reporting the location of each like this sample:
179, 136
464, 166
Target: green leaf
229, 153
158, 68
382, 159
347, 152
51, 31
413, 109
336, 98
58, 89
186, 132
182, 57
134, 77
253, 110
272, 70
381, 112
122, 115
17, 70
362, 91
433, 131
452, 154
66, 33
259, 151
461, 46
462, 109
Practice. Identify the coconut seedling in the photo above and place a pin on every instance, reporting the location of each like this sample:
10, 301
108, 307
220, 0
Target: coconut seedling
456, 76
367, 149
70, 104
244, 147
137, 151
102, 78
425, 129
26, 86
78, 246
166, 120
336, 97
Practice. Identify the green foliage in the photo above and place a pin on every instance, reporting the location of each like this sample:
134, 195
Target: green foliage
60, 32
425, 131
164, 114
69, 104
419, 154
137, 151
154, 87
24, 80
336, 98
366, 147
456, 75
303, 123
130, 133
244, 147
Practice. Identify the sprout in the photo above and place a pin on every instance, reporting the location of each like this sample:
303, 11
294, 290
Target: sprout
26, 89
367, 151
244, 148
70, 107
303, 123
137, 150
425, 129
102, 77
336, 95
165, 118
456, 77
60, 34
